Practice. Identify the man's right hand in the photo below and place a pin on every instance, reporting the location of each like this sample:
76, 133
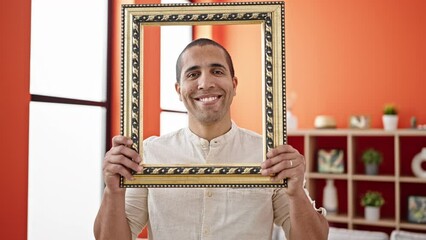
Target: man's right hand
120, 160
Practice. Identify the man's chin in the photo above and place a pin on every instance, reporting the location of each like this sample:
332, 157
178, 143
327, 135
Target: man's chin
208, 119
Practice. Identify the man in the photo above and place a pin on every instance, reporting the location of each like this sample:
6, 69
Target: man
206, 84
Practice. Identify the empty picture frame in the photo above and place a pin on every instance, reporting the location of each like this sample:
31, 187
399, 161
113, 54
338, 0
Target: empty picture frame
270, 17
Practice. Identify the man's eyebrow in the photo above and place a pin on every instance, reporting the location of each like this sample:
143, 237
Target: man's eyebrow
195, 67
192, 68
217, 65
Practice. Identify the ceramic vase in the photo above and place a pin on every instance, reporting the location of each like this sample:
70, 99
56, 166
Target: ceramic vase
330, 202
416, 164
291, 121
390, 122
372, 213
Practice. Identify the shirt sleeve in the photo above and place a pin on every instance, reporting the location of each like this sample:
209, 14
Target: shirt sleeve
282, 209
137, 209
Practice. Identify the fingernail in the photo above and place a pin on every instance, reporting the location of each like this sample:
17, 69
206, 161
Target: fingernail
140, 169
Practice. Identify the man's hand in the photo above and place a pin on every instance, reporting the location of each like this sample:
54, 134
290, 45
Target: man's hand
120, 160
285, 162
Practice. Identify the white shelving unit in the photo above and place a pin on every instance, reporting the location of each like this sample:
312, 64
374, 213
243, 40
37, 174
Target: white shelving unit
395, 178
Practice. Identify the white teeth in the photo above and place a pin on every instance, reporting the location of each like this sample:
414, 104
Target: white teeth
208, 99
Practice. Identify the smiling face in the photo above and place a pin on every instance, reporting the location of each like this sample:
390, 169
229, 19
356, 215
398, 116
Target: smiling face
206, 86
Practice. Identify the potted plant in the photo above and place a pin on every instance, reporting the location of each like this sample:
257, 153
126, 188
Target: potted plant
372, 158
372, 201
390, 117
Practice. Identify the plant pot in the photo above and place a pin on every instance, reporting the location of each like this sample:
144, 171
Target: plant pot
371, 169
390, 122
372, 213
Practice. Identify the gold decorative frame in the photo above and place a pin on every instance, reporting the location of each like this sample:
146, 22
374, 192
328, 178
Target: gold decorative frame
270, 16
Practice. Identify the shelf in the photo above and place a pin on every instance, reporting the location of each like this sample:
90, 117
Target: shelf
327, 176
411, 132
337, 218
318, 132
377, 178
414, 226
412, 180
356, 132
395, 180
379, 223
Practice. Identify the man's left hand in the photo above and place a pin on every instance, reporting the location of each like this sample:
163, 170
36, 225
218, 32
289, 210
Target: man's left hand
283, 162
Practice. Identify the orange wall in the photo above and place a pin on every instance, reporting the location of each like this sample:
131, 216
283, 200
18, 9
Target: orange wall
348, 57
14, 107
247, 106
352, 57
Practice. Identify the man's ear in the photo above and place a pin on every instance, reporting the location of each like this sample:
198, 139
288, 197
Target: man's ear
235, 84
177, 88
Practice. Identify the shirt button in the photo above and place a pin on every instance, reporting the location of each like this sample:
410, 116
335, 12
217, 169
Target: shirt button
209, 194
206, 231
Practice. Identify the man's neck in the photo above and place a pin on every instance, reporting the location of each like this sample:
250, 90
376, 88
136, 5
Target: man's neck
210, 131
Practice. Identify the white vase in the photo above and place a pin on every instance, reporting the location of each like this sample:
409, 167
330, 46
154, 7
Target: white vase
416, 164
372, 213
390, 122
291, 121
329, 200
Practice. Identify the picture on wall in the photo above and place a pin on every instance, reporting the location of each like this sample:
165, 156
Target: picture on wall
417, 209
331, 161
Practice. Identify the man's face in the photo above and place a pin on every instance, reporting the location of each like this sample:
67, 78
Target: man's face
206, 86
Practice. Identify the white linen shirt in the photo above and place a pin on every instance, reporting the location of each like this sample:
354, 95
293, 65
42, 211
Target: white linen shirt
206, 213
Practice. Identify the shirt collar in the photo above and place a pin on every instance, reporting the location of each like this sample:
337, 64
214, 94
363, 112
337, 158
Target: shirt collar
218, 140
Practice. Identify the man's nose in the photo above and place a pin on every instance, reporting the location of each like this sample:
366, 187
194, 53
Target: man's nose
206, 81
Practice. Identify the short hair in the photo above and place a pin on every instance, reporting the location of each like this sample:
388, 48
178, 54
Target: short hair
203, 42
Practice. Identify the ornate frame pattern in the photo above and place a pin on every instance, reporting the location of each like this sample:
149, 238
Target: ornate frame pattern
270, 15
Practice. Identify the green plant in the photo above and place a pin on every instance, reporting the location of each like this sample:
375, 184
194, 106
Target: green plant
390, 110
372, 156
372, 199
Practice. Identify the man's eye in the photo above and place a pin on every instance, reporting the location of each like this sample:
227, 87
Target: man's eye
218, 72
192, 75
